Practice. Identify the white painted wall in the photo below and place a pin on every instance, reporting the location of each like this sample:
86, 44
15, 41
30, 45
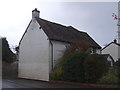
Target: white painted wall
58, 50
34, 54
110, 60
97, 51
112, 49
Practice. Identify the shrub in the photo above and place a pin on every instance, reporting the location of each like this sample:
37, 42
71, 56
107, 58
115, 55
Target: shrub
110, 77
70, 66
9, 70
56, 74
119, 72
95, 66
117, 63
73, 69
76, 47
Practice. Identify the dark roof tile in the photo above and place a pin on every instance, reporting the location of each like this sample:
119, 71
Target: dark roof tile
69, 34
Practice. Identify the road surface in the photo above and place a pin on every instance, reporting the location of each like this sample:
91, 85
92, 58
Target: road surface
23, 83
13, 84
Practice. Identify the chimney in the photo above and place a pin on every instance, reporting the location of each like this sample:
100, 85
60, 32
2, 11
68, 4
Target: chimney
35, 14
115, 41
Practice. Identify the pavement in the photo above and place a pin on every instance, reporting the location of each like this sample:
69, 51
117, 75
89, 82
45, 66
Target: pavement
24, 83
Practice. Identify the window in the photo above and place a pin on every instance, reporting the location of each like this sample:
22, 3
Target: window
94, 50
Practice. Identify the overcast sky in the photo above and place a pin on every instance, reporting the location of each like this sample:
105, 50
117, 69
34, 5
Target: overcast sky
95, 18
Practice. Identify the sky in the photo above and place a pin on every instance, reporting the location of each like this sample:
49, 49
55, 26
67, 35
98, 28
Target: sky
95, 18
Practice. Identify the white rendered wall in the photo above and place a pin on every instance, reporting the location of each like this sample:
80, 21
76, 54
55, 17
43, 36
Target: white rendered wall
97, 51
110, 60
34, 54
58, 50
112, 49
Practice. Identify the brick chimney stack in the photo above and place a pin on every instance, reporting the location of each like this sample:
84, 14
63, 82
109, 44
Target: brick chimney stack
35, 14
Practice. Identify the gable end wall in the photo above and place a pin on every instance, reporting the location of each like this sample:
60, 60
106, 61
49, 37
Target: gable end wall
34, 54
112, 49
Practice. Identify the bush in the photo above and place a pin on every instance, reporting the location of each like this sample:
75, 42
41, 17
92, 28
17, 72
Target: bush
76, 47
119, 72
110, 77
95, 66
72, 68
117, 63
9, 70
56, 74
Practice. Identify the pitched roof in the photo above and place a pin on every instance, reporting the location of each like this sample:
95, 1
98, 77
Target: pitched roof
107, 55
68, 34
110, 44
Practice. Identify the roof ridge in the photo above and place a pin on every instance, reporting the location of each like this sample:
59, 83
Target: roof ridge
52, 22
75, 29
62, 25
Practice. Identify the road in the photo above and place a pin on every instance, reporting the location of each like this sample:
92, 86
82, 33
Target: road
23, 83
13, 84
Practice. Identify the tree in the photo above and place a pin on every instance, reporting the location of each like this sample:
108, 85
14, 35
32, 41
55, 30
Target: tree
7, 55
77, 46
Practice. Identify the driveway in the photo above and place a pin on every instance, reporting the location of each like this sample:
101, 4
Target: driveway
23, 83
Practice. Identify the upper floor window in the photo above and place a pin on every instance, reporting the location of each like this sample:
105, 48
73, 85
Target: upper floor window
94, 50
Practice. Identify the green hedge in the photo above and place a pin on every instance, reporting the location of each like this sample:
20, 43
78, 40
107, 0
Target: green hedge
73, 69
95, 66
56, 73
70, 68
110, 77
78, 65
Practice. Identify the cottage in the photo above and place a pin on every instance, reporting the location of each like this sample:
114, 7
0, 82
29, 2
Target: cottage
43, 43
113, 49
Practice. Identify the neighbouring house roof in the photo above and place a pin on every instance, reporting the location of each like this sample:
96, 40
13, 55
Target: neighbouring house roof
110, 44
68, 34
107, 55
